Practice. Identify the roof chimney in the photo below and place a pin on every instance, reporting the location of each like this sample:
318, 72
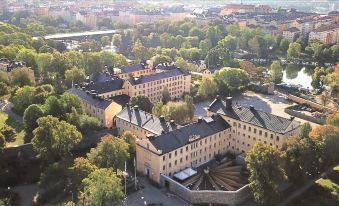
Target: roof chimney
252, 108
172, 122
229, 103
199, 119
218, 97
162, 118
136, 107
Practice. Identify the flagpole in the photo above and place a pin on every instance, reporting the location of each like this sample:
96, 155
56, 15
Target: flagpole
135, 175
125, 176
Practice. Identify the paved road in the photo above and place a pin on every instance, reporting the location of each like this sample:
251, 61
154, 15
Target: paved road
151, 195
6, 107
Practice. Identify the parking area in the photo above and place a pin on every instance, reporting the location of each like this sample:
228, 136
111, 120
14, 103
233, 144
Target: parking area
151, 195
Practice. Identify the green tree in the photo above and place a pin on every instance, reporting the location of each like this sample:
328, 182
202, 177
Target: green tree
266, 172
130, 139
4, 89
74, 76
102, 187
207, 89
23, 97
276, 72
204, 46
229, 42
75, 59
305, 130
143, 102
93, 62
166, 96
105, 41
2, 142
79, 171
31, 115
8, 132
22, 77
259, 46
284, 45
111, 153
140, 52
157, 59
231, 80
333, 119
294, 50
116, 39
157, 108
28, 56
53, 139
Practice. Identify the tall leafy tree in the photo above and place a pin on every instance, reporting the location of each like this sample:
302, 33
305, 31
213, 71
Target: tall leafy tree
111, 153
31, 115
143, 102
53, 139
266, 172
276, 72
102, 187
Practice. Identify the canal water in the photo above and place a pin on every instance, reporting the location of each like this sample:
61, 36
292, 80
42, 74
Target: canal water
298, 75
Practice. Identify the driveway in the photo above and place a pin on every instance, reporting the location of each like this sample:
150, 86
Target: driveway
151, 195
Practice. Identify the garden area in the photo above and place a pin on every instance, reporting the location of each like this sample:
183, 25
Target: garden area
324, 192
17, 126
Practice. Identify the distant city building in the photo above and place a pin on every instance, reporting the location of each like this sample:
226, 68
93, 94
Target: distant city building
291, 34
328, 34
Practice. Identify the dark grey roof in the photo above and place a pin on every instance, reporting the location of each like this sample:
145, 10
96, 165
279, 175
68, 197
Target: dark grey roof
157, 76
99, 77
133, 68
97, 102
252, 116
113, 84
146, 120
292, 29
172, 140
122, 99
166, 66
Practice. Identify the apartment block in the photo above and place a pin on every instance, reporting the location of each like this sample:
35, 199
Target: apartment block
186, 147
291, 33
328, 34
250, 125
141, 79
96, 106
164, 147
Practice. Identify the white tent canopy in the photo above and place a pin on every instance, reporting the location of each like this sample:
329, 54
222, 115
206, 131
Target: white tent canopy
184, 174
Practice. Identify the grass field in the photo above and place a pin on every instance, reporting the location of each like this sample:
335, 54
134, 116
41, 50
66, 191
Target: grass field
19, 128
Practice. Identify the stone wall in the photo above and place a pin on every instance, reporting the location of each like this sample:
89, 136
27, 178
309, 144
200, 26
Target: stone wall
232, 198
315, 105
300, 115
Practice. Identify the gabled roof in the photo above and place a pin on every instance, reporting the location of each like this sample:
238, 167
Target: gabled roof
255, 117
146, 120
157, 76
180, 137
292, 29
133, 68
95, 101
106, 86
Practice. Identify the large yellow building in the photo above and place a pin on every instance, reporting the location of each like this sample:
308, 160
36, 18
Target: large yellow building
142, 79
250, 125
95, 106
166, 148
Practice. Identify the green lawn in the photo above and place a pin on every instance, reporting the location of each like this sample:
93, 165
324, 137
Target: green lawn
19, 128
330, 186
